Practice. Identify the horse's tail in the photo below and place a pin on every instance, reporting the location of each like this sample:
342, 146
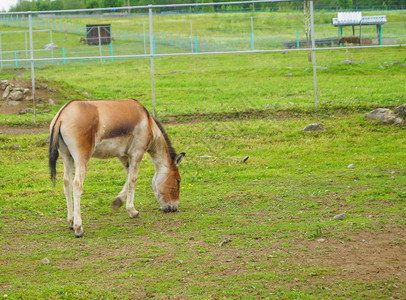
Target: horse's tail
53, 149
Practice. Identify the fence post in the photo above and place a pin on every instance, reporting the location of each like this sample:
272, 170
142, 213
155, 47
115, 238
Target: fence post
316, 101
191, 35
252, 33
151, 55
1, 55
32, 68
297, 39
63, 55
52, 48
145, 41
111, 51
196, 48
100, 49
26, 45
15, 58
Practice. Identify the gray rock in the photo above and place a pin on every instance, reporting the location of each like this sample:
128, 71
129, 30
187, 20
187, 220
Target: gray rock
51, 89
19, 74
16, 146
385, 116
4, 84
13, 103
340, 217
45, 261
348, 62
289, 75
26, 91
51, 102
6, 92
350, 166
16, 95
314, 127
321, 240
401, 111
25, 111
50, 46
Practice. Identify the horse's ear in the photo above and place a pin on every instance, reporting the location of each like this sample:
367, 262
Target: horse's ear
179, 157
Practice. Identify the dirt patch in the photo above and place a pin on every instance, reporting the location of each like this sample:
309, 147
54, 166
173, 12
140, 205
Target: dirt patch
366, 256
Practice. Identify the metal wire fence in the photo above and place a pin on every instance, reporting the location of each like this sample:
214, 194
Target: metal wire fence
60, 37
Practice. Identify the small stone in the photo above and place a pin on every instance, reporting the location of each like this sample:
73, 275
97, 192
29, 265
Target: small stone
206, 156
393, 172
13, 103
6, 92
314, 127
321, 240
86, 94
51, 102
350, 166
26, 91
51, 89
180, 261
348, 62
4, 84
24, 111
401, 111
382, 67
340, 216
45, 261
289, 75
16, 95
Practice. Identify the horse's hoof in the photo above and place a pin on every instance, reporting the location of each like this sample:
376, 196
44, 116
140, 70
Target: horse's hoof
134, 215
79, 233
117, 203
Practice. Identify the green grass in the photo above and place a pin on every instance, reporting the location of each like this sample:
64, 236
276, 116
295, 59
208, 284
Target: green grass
234, 84
284, 195
267, 213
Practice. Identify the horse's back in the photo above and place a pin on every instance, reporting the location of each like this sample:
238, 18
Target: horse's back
90, 126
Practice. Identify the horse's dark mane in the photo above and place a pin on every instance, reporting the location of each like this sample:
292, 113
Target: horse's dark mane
172, 151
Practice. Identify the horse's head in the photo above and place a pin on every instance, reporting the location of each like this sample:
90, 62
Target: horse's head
166, 186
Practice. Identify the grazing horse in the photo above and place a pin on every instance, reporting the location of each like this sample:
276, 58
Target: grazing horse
107, 129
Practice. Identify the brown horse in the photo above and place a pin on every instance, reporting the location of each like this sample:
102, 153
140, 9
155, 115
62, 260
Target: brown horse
107, 129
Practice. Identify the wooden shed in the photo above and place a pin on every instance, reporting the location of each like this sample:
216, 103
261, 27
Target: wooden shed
97, 32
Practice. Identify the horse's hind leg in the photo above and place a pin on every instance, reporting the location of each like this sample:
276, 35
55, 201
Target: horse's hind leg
67, 185
122, 196
80, 174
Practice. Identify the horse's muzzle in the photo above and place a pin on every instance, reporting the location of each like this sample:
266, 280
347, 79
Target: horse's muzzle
169, 208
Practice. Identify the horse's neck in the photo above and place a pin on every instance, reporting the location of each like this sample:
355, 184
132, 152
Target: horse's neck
158, 151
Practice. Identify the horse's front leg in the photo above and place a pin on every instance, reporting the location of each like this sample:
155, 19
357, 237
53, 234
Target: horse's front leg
122, 196
134, 165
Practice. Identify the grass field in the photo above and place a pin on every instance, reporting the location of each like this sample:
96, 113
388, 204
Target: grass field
259, 229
